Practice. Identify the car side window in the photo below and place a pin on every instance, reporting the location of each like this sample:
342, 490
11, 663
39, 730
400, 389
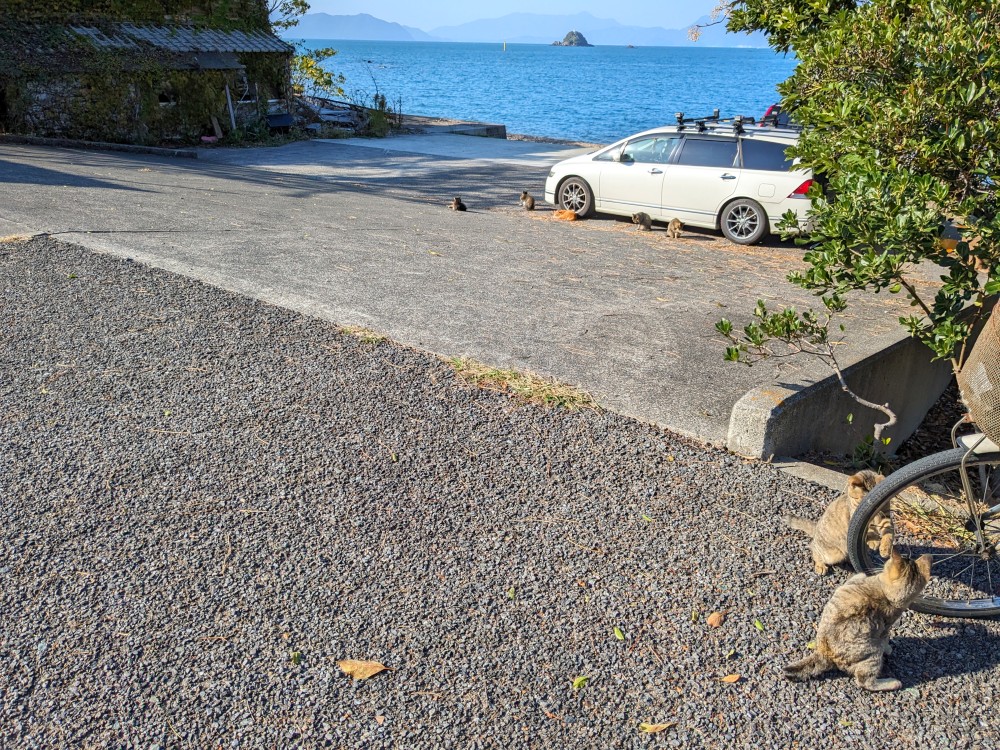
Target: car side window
765, 155
708, 152
655, 150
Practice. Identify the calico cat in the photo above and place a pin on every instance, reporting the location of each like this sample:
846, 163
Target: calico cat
644, 221
853, 632
457, 205
527, 201
829, 534
674, 229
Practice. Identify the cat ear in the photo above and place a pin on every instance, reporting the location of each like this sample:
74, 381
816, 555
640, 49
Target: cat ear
856, 487
894, 564
924, 565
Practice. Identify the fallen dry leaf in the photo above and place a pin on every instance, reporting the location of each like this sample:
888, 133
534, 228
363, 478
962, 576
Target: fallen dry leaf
731, 678
716, 619
379, 719
654, 728
360, 670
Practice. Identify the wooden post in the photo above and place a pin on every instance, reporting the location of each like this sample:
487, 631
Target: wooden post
232, 114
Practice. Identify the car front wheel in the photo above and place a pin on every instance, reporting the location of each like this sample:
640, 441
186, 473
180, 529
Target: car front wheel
575, 195
744, 222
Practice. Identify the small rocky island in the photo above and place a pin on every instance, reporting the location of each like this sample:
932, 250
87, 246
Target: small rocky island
573, 39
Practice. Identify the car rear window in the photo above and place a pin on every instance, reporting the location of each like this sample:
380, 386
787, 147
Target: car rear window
765, 155
708, 152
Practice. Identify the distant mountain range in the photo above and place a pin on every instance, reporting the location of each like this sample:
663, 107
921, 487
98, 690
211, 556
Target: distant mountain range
361, 26
519, 28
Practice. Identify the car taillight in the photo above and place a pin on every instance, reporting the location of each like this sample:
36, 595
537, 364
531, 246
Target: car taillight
802, 190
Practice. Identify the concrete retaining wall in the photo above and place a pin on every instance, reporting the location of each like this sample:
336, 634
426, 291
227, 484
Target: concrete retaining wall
791, 420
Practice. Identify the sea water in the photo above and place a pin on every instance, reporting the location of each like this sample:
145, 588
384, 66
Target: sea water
592, 94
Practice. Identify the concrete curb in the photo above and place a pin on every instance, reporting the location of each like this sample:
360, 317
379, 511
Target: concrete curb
786, 420
33, 140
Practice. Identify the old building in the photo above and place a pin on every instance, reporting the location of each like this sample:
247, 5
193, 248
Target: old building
138, 71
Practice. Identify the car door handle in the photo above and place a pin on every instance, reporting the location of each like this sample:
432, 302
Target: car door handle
728, 176
654, 170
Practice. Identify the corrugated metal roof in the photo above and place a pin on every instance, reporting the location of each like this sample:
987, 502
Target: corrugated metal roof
128, 36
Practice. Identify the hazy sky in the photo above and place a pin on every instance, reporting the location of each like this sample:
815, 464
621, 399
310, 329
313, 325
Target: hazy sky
429, 14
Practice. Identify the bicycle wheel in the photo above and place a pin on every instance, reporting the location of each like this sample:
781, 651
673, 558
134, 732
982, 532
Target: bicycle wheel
930, 514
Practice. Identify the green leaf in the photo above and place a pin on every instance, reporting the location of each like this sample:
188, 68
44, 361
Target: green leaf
759, 625
580, 681
511, 593
618, 633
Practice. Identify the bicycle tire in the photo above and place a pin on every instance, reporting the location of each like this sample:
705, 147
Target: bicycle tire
920, 527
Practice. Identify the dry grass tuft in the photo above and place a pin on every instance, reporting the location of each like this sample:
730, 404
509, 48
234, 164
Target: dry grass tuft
364, 335
12, 239
526, 386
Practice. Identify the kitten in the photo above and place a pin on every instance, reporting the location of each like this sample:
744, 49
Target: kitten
853, 632
565, 215
829, 534
674, 228
527, 201
643, 220
457, 205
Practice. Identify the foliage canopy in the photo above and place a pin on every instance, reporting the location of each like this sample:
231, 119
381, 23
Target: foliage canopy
900, 100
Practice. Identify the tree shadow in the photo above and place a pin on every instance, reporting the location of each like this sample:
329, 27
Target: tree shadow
971, 648
13, 173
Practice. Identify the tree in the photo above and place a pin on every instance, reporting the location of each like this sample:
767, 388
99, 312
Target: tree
309, 76
284, 14
900, 103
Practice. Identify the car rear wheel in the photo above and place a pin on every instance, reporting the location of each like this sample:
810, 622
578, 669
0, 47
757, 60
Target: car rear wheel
744, 222
575, 195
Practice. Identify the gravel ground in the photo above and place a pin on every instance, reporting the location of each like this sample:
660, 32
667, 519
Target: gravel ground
207, 502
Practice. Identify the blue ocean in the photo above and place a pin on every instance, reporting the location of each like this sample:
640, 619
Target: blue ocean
592, 94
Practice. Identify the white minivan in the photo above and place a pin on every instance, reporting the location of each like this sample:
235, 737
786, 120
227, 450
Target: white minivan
731, 175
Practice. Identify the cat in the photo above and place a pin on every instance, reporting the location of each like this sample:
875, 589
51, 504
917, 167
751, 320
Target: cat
643, 220
565, 215
829, 534
853, 632
674, 229
457, 205
527, 201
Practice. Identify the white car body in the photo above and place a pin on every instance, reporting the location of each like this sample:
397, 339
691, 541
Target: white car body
695, 173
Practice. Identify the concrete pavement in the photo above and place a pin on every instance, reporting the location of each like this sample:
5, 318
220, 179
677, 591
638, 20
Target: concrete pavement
357, 231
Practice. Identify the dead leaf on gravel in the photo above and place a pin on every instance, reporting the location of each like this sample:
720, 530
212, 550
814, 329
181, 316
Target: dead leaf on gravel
716, 619
654, 728
361, 670
379, 719
731, 678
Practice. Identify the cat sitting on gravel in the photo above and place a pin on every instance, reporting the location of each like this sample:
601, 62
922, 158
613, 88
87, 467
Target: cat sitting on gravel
829, 534
853, 632
527, 201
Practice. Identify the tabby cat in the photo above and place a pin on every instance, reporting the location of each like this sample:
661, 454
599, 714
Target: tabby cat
829, 534
853, 632
644, 221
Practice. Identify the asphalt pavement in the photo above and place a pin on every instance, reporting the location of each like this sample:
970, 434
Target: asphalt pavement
359, 232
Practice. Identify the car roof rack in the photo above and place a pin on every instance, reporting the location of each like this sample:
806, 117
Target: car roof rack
736, 123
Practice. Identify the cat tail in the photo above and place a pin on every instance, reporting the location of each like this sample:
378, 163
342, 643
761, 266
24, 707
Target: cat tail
812, 665
802, 524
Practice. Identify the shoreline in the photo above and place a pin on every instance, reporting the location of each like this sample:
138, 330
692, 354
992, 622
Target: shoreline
416, 123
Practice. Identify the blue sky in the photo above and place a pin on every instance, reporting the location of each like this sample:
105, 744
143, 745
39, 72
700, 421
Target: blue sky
429, 14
